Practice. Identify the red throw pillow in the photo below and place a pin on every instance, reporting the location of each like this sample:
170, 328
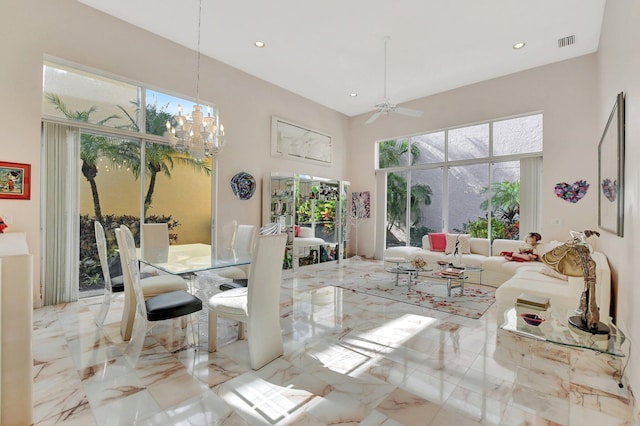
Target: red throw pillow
296, 230
438, 242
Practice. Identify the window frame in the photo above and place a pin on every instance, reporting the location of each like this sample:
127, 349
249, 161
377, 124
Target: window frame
445, 166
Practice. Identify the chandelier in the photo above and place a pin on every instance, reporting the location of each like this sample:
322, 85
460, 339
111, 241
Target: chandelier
196, 134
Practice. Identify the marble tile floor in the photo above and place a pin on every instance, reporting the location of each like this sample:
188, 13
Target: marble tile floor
350, 359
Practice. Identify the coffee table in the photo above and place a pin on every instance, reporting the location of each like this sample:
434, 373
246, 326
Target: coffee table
452, 281
410, 271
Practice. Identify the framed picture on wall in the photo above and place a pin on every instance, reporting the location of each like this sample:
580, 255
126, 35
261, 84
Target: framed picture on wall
296, 142
611, 171
361, 204
15, 181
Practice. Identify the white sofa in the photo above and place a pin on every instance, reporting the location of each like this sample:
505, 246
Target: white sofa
563, 295
306, 238
495, 269
514, 278
16, 293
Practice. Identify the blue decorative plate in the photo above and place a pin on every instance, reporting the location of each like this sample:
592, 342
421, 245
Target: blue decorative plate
243, 185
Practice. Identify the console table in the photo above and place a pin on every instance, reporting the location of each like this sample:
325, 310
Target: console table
16, 307
556, 329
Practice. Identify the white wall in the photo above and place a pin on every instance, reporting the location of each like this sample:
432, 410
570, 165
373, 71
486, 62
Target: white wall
564, 92
76, 33
575, 108
619, 70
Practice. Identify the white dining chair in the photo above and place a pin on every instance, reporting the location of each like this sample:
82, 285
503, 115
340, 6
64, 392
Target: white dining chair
244, 240
155, 242
257, 305
151, 286
228, 234
170, 305
112, 287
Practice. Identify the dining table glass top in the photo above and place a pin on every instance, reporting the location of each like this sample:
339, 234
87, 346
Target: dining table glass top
189, 258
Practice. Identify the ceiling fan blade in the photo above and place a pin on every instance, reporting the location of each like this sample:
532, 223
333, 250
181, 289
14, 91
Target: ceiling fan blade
408, 111
373, 117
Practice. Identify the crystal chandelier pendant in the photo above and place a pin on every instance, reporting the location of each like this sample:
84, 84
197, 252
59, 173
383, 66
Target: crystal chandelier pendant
197, 135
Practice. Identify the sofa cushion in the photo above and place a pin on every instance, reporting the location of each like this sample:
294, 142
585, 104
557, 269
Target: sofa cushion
471, 259
494, 263
481, 246
465, 243
405, 252
437, 242
550, 272
513, 268
304, 232
499, 245
425, 242
562, 294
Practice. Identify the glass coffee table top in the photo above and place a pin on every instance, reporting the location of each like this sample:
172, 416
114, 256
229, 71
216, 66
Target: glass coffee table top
556, 329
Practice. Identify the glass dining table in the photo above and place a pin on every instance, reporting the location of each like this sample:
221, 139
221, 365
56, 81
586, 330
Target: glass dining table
183, 259
188, 259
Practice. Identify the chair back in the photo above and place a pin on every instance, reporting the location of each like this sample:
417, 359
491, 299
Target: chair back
229, 234
155, 242
270, 228
101, 245
245, 239
263, 297
127, 246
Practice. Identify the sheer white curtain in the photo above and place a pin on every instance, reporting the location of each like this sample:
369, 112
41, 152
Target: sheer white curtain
530, 199
61, 219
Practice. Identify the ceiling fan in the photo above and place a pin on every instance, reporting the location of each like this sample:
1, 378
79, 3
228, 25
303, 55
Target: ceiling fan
386, 107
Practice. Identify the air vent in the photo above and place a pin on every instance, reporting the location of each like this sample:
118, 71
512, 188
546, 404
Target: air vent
566, 41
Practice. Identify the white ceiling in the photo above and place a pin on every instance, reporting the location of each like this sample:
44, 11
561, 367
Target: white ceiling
324, 50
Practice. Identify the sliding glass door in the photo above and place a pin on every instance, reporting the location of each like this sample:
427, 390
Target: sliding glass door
110, 194
130, 170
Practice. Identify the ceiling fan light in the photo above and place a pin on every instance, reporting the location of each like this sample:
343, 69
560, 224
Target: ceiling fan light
386, 107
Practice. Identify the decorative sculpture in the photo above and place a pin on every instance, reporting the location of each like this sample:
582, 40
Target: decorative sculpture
573, 258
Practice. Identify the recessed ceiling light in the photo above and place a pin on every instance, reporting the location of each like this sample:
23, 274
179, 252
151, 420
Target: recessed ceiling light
259, 44
518, 45
353, 94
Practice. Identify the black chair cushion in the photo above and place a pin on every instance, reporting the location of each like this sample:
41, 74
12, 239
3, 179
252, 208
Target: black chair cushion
117, 284
172, 305
240, 282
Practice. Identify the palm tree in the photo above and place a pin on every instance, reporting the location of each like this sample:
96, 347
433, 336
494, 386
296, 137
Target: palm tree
92, 147
505, 200
504, 195
505, 203
391, 153
159, 158
396, 201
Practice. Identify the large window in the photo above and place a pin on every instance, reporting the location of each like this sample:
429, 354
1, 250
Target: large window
129, 173
465, 179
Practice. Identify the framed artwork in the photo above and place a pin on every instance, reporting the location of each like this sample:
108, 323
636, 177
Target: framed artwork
611, 171
361, 204
15, 181
296, 142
